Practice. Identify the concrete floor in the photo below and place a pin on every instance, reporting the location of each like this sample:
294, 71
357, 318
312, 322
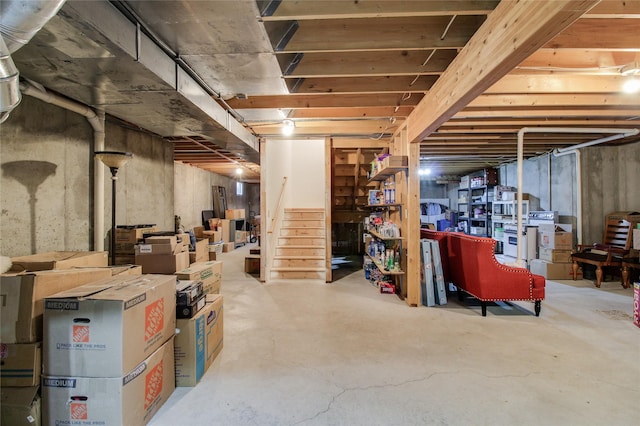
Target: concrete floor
309, 353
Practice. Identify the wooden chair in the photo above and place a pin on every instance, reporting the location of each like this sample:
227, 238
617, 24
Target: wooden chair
615, 245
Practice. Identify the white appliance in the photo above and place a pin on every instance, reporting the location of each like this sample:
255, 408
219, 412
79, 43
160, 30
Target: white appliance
529, 241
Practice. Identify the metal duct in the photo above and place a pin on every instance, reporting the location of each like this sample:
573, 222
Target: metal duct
19, 22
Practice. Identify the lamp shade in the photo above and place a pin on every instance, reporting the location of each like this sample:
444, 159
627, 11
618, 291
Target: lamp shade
114, 159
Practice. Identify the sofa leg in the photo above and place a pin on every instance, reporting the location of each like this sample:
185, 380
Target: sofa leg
599, 275
537, 307
575, 267
484, 308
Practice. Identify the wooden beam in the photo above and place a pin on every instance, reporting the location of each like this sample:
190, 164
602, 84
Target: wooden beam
390, 34
302, 10
548, 82
540, 100
345, 143
595, 62
369, 84
325, 101
512, 32
543, 113
395, 62
609, 34
370, 112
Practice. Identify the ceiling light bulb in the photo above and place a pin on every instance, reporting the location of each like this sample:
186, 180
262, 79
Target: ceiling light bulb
238, 171
631, 86
287, 127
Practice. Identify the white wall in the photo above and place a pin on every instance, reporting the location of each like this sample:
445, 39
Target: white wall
303, 163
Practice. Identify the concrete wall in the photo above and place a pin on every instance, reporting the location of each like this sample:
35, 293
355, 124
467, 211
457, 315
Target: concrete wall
46, 186
193, 193
610, 178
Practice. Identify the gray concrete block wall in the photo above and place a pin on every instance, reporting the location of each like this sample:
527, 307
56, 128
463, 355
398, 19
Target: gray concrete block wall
46, 184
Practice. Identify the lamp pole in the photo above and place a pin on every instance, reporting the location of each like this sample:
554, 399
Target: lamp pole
114, 160
112, 234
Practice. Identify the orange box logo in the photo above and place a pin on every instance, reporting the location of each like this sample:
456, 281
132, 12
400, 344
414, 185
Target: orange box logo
154, 319
80, 333
153, 385
79, 411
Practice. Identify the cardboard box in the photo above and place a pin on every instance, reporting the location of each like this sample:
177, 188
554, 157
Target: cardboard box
21, 364
59, 260
210, 273
106, 328
20, 406
234, 214
636, 239
555, 236
554, 255
163, 263
227, 247
252, 264
129, 399
395, 161
225, 227
201, 252
553, 271
23, 299
213, 236
241, 236
199, 342
128, 259
213, 256
126, 270
132, 234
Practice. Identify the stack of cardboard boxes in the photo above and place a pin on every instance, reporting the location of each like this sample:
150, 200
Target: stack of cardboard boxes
94, 331
127, 236
108, 351
555, 242
23, 291
163, 254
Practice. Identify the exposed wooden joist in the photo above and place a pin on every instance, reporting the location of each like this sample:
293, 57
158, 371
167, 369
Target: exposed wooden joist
513, 31
390, 34
622, 34
549, 100
370, 63
325, 101
371, 112
545, 113
369, 84
303, 10
556, 83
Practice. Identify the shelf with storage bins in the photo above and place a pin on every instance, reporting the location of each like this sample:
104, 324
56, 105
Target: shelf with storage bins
505, 211
475, 197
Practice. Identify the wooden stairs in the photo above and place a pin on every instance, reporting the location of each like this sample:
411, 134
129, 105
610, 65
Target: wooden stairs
300, 251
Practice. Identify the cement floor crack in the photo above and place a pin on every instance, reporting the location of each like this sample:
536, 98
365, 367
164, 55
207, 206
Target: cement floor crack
364, 388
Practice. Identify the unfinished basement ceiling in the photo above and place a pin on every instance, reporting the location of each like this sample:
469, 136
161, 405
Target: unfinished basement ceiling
349, 70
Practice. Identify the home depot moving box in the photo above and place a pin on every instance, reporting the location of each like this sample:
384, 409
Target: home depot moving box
20, 406
106, 328
59, 260
128, 399
20, 364
210, 273
199, 342
23, 299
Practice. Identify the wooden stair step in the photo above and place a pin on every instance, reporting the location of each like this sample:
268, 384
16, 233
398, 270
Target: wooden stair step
298, 246
299, 257
297, 269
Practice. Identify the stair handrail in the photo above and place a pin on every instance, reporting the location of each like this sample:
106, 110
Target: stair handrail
277, 210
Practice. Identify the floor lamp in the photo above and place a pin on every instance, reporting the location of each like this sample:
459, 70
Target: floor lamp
113, 160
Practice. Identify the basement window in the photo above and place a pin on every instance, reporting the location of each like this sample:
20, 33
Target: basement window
239, 188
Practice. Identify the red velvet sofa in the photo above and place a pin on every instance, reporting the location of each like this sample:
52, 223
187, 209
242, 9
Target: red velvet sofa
470, 264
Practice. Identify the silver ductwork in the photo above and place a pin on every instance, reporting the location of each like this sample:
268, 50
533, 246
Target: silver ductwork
19, 22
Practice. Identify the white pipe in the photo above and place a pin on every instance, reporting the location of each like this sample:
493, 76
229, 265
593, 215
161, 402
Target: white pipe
578, 160
618, 134
97, 123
